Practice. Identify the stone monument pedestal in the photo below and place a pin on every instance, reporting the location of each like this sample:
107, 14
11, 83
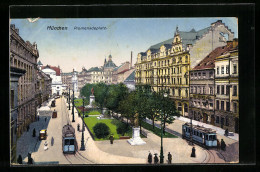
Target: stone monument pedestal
91, 99
136, 139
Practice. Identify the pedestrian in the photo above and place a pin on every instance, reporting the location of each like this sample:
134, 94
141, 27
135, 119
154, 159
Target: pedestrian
111, 138
28, 127
52, 141
78, 127
150, 158
169, 158
193, 154
218, 144
223, 145
20, 159
226, 132
34, 132
30, 160
156, 159
45, 119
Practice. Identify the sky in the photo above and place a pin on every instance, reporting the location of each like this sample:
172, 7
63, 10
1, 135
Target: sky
74, 48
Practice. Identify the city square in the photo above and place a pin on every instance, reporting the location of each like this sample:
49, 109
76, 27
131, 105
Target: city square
174, 101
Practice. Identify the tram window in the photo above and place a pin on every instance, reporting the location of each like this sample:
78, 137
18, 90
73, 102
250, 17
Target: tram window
210, 137
213, 137
67, 141
71, 141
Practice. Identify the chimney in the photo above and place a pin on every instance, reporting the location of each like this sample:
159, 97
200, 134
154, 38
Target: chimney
131, 59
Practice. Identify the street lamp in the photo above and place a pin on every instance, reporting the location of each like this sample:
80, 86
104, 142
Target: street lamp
69, 98
73, 120
82, 148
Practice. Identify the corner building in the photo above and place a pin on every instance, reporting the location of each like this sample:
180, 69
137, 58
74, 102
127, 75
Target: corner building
166, 65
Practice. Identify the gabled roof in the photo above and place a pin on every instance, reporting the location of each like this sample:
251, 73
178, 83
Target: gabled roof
123, 71
131, 77
209, 61
94, 69
157, 46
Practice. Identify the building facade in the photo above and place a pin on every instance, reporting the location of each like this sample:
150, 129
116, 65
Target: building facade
55, 74
24, 55
166, 65
15, 74
43, 87
226, 84
202, 87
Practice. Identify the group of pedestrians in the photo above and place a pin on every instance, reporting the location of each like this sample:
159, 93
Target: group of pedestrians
156, 159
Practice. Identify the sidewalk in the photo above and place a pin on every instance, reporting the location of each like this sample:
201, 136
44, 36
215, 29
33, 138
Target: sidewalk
219, 130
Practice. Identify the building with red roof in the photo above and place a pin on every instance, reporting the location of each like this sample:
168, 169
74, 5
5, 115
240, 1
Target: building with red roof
202, 86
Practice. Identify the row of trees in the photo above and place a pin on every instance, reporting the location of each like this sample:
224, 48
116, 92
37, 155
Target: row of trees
137, 105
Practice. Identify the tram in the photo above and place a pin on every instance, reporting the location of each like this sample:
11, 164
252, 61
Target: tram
205, 137
68, 139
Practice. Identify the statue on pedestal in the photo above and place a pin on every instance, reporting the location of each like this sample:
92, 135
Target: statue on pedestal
92, 91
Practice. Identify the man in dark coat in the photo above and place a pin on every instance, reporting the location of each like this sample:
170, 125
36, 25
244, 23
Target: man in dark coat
156, 159
150, 158
223, 145
111, 138
169, 158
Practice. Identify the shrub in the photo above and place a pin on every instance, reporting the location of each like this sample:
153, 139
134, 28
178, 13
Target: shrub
101, 130
122, 129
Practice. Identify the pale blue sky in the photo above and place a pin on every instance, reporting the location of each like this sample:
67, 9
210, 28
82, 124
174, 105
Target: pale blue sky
75, 49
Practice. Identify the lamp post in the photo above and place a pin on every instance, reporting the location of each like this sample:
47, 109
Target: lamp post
82, 148
161, 152
69, 98
73, 120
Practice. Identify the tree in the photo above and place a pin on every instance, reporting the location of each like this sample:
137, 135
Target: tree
167, 110
100, 93
153, 103
127, 107
101, 130
116, 93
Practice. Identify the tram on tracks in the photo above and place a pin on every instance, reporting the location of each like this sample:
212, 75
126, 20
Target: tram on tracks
205, 137
68, 139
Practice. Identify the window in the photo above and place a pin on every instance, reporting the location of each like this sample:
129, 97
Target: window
174, 70
179, 92
218, 87
180, 80
217, 119
217, 70
235, 90
222, 105
227, 124
222, 89
227, 69
174, 80
211, 90
227, 90
195, 74
199, 74
227, 106
203, 90
234, 69
186, 91
235, 107
173, 92
195, 90
179, 106
217, 104
204, 74
12, 99
211, 105
222, 70
210, 74
191, 89
191, 74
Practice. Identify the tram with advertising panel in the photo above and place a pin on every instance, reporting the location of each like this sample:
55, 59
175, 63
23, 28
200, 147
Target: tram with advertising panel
205, 137
68, 139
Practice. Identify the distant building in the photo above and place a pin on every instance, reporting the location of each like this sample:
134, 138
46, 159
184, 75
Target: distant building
130, 81
43, 87
55, 74
107, 70
74, 81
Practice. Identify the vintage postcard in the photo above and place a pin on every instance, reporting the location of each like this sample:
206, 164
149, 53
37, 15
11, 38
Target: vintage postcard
124, 91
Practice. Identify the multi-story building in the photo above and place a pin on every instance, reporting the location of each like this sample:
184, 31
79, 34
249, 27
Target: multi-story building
43, 87
74, 81
166, 65
95, 75
55, 74
226, 84
202, 87
83, 78
15, 74
107, 70
24, 55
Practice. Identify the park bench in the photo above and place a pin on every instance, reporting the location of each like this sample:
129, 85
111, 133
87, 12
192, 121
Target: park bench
124, 137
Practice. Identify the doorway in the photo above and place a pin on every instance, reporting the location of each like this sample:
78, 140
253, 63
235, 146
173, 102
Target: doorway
212, 120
